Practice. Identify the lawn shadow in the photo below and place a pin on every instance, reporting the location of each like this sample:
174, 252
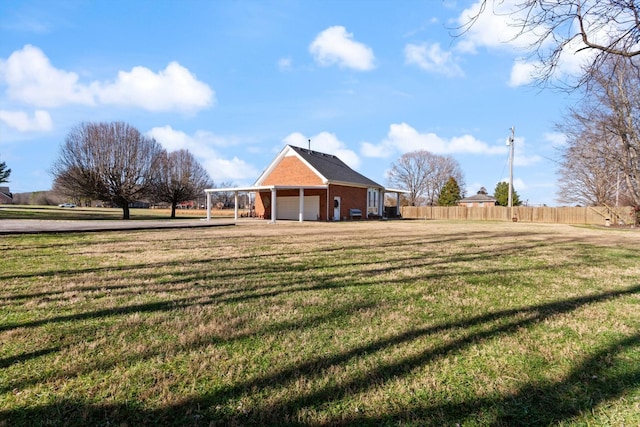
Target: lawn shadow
534, 404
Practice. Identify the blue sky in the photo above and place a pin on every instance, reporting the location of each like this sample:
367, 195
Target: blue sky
234, 81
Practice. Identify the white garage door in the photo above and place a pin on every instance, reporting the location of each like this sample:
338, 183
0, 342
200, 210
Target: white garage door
288, 208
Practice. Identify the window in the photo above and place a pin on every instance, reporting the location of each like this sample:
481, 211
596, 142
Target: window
372, 198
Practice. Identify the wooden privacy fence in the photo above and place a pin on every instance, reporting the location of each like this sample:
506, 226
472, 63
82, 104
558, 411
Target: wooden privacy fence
565, 215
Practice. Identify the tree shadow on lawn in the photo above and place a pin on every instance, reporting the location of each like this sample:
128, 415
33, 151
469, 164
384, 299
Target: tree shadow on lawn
589, 384
397, 246
330, 315
312, 282
213, 271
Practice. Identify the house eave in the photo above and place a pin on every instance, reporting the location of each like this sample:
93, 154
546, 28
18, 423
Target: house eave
257, 188
354, 184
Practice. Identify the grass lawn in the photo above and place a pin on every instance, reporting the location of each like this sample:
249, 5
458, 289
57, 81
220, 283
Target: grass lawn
422, 323
83, 213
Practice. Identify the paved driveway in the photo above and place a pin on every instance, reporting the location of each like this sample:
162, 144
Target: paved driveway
31, 226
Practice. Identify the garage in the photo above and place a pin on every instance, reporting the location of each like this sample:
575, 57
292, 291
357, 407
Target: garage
289, 207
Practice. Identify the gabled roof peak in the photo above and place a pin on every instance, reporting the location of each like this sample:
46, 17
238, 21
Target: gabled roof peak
327, 166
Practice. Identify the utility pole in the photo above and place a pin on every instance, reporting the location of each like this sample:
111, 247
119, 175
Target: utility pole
510, 143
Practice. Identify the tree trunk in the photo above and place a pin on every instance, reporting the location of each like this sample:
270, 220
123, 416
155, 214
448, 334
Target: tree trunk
173, 210
125, 210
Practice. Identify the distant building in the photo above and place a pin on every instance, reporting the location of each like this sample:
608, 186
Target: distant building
5, 196
481, 199
308, 185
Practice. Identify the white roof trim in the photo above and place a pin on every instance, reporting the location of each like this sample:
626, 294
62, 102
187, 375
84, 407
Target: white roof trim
266, 187
294, 187
396, 190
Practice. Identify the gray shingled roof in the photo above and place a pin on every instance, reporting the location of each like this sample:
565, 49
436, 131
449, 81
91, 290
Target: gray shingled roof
479, 198
332, 168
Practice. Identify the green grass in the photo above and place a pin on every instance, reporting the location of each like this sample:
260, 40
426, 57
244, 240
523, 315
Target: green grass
91, 213
363, 323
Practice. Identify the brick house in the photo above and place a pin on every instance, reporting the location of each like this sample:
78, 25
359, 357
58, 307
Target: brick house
5, 196
481, 199
310, 185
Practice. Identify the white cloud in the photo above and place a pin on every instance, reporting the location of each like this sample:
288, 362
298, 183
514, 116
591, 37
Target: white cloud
202, 145
557, 139
522, 73
172, 140
520, 156
381, 151
499, 27
171, 89
327, 143
494, 28
525, 160
334, 46
19, 120
570, 63
235, 170
518, 185
31, 79
432, 58
403, 138
285, 64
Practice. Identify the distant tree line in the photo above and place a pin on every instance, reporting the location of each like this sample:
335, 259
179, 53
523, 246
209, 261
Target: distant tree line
435, 180
424, 175
116, 164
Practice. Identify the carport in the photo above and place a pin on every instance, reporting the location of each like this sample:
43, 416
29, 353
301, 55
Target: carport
274, 198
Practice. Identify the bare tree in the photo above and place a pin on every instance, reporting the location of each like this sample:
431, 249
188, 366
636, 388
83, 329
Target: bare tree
424, 174
588, 170
617, 88
111, 162
178, 177
609, 28
225, 199
601, 160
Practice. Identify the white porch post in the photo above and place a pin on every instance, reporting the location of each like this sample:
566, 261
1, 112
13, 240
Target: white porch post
273, 205
397, 204
380, 203
301, 211
208, 206
235, 209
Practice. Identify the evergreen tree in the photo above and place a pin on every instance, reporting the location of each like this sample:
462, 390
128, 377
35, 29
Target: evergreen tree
4, 172
502, 194
450, 193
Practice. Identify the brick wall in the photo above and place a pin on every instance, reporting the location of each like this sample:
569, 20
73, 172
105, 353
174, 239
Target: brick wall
292, 171
350, 198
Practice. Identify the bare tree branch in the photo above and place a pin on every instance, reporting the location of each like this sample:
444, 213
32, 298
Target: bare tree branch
553, 27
